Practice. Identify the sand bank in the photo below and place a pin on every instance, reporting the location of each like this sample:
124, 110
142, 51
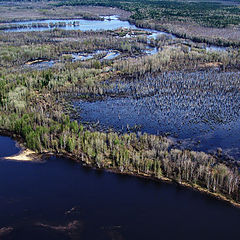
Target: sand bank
24, 155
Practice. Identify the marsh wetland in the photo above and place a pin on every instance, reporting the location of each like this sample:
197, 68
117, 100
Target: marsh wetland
132, 126
198, 109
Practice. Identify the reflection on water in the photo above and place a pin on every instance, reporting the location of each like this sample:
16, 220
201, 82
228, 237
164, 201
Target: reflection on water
70, 24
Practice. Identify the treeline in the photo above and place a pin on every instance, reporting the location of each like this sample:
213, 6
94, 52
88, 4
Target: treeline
147, 155
38, 25
32, 107
173, 54
177, 58
85, 79
208, 14
17, 48
203, 22
227, 37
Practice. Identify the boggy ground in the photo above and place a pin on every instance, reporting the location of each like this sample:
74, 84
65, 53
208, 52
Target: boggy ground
207, 22
203, 21
196, 107
19, 11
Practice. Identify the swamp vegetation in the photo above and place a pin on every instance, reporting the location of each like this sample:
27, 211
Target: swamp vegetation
37, 104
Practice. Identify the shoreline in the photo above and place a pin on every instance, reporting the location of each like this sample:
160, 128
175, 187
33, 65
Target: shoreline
146, 176
28, 155
25, 155
131, 22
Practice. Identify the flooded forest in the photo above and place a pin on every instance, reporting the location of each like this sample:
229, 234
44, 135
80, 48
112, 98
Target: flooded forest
119, 119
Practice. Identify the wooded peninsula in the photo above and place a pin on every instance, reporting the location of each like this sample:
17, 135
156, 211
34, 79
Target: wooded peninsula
43, 73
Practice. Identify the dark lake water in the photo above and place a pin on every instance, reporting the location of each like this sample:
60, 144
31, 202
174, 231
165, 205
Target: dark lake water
8, 147
60, 199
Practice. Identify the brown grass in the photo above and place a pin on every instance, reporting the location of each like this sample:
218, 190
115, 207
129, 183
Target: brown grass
44, 10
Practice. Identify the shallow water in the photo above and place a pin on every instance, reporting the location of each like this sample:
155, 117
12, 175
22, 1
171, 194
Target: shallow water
73, 24
41, 65
107, 55
151, 50
38, 199
109, 23
200, 109
121, 113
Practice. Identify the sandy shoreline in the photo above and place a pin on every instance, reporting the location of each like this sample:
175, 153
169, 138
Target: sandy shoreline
26, 155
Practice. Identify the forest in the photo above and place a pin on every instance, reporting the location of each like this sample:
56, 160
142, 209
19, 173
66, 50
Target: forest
36, 104
204, 13
200, 21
